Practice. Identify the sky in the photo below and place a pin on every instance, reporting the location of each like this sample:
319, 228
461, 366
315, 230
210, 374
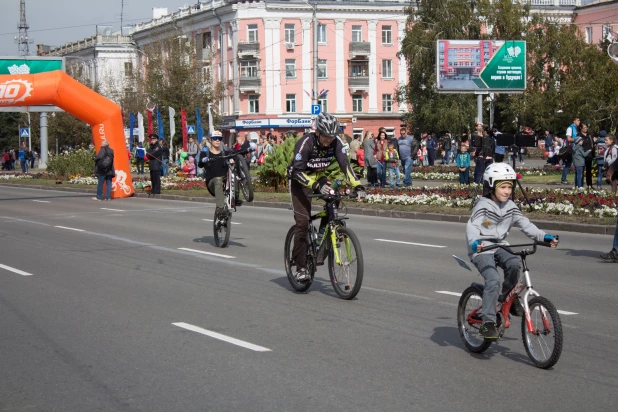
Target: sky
56, 22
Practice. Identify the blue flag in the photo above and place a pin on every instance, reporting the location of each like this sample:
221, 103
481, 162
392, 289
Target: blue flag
131, 126
200, 129
160, 125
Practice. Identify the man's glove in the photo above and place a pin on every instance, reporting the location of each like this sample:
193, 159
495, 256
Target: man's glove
359, 191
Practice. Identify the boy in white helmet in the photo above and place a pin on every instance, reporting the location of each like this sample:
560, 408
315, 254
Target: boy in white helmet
491, 219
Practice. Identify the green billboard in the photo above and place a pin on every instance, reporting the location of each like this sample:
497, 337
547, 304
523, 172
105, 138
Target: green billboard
30, 65
469, 66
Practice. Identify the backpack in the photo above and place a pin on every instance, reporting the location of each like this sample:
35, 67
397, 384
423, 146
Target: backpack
565, 151
107, 161
139, 152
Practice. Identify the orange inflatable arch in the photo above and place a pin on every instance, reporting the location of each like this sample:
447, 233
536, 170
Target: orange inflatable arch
103, 116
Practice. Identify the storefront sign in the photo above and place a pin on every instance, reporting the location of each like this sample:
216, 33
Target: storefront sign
290, 122
251, 123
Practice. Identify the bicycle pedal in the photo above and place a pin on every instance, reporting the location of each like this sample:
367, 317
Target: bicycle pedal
347, 287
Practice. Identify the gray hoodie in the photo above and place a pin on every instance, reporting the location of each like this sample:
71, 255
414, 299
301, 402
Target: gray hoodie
579, 156
492, 220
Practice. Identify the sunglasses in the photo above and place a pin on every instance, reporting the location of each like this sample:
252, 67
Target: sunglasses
216, 138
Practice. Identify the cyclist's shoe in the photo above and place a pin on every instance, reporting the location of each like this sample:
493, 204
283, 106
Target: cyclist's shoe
612, 255
488, 331
517, 309
302, 275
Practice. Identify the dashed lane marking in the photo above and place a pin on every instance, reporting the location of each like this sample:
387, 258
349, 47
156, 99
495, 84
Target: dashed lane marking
11, 269
41, 201
207, 253
113, 210
221, 337
409, 243
70, 228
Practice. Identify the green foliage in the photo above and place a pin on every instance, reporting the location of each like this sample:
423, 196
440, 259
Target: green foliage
274, 170
76, 162
8, 130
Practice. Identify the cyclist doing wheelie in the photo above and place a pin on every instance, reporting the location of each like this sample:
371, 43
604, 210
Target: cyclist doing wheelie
492, 217
313, 154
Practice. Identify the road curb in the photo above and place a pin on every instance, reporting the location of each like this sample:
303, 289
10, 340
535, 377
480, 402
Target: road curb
547, 225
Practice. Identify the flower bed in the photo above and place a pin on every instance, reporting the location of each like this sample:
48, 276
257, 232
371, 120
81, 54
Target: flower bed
599, 203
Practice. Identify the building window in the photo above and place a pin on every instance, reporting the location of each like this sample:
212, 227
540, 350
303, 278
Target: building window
254, 103
290, 103
219, 73
128, 69
387, 69
324, 104
230, 70
605, 33
321, 69
206, 40
252, 33
390, 132
588, 35
220, 39
290, 33
290, 68
357, 131
321, 33
357, 102
359, 68
357, 33
248, 68
387, 102
230, 41
387, 35
230, 103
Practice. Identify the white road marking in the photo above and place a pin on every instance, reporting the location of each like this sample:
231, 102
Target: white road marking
207, 253
41, 201
224, 338
210, 220
113, 210
446, 292
409, 243
70, 228
19, 272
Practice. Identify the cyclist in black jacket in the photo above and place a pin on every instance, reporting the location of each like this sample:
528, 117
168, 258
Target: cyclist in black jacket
313, 154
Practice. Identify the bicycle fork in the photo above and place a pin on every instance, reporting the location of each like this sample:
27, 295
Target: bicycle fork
530, 291
346, 241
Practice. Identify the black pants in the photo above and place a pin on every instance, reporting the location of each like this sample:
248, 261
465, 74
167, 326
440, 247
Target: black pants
155, 179
372, 175
302, 213
499, 158
588, 167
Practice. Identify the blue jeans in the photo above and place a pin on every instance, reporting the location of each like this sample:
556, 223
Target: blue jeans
616, 238
446, 157
567, 166
407, 164
382, 173
464, 177
108, 187
164, 167
579, 176
600, 175
394, 171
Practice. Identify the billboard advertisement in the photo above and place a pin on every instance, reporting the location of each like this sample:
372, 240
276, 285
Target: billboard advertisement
468, 66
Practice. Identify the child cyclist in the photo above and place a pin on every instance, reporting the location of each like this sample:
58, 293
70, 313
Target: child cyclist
491, 219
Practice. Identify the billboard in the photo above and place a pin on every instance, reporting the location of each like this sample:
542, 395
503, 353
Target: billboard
30, 65
468, 66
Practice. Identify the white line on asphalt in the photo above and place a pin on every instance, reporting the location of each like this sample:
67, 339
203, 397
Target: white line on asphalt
113, 210
224, 338
210, 220
408, 243
70, 228
41, 201
19, 272
446, 292
207, 253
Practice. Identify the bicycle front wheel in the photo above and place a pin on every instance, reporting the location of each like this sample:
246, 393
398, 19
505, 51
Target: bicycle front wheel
544, 343
346, 272
222, 227
246, 187
471, 301
290, 265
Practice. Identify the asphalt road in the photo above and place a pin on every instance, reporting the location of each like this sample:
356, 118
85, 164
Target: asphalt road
101, 310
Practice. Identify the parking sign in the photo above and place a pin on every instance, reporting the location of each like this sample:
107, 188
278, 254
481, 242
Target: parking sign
315, 109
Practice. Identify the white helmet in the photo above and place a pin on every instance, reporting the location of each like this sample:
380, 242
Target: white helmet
496, 172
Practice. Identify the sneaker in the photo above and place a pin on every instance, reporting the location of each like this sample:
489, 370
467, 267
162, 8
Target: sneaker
517, 309
302, 275
488, 331
564, 182
612, 255
96, 198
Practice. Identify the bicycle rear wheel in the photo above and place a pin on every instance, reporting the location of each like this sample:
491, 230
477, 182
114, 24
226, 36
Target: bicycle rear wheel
244, 180
544, 344
290, 265
347, 275
222, 226
471, 300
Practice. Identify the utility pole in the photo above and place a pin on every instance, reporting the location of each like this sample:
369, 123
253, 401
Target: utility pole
22, 39
314, 96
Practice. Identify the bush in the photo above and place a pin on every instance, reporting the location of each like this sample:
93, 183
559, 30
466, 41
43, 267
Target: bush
75, 162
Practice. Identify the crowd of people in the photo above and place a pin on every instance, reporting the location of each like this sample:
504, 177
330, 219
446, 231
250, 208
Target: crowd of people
23, 158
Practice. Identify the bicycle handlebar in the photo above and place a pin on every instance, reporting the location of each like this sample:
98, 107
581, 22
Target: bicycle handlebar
332, 196
522, 252
232, 154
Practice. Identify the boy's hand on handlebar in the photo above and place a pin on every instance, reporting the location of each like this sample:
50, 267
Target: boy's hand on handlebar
552, 240
477, 246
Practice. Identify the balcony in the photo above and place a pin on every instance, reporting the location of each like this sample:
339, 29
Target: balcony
250, 84
248, 50
358, 83
205, 55
360, 49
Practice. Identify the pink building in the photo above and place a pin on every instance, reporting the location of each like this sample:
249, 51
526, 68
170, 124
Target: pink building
596, 19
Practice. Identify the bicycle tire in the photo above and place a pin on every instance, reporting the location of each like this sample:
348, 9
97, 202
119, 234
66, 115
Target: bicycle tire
554, 353
470, 334
289, 264
222, 239
244, 180
341, 282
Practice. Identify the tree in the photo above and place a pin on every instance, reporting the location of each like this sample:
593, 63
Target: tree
9, 129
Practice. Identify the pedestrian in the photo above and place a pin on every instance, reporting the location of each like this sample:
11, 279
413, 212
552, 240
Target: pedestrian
567, 158
354, 146
379, 151
23, 159
613, 254
371, 163
431, 146
407, 148
391, 160
105, 171
165, 158
192, 148
463, 164
589, 147
140, 153
611, 155
446, 149
601, 147
153, 155
549, 140
191, 167
579, 161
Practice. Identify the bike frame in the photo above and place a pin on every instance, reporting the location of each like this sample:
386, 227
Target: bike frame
230, 199
334, 221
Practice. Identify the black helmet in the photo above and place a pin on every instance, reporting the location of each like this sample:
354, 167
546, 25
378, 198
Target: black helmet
327, 124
